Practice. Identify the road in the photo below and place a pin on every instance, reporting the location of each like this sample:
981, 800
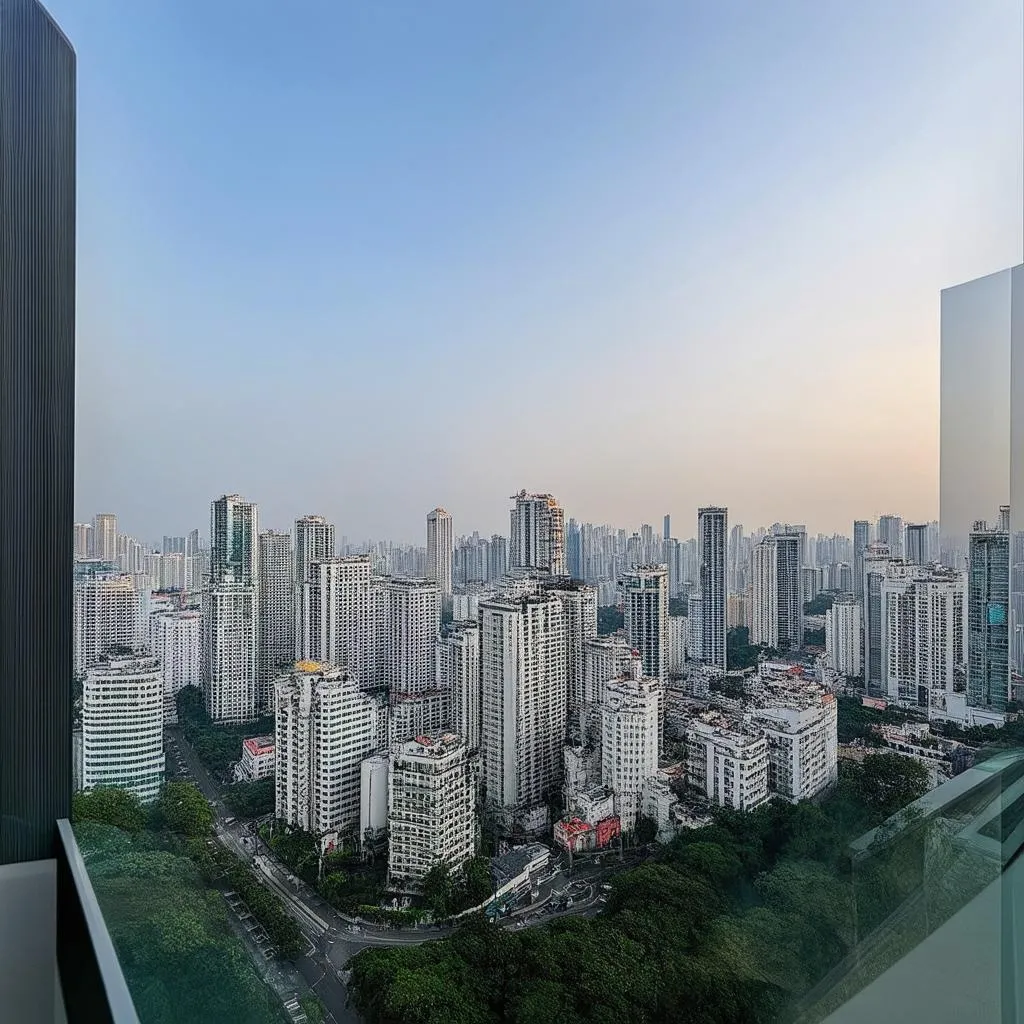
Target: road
334, 938
315, 965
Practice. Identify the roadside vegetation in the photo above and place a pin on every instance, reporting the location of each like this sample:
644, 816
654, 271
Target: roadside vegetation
731, 922
170, 927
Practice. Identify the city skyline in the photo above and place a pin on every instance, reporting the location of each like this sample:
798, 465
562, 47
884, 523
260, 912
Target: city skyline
449, 251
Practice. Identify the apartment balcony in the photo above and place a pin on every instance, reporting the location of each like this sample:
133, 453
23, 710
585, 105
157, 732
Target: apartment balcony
57, 961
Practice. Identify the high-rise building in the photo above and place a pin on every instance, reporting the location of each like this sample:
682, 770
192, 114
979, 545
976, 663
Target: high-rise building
409, 613
922, 633
123, 724
842, 637
104, 537
890, 533
537, 537
579, 602
916, 544
524, 698
431, 809
574, 550
877, 562
324, 727
666, 527
231, 612
981, 457
777, 592
861, 539
339, 615
175, 637
276, 611
440, 545
631, 715
988, 640
105, 614
712, 533
458, 675
234, 547
37, 414
644, 591
314, 542
83, 540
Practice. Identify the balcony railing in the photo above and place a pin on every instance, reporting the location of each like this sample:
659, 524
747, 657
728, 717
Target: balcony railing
91, 980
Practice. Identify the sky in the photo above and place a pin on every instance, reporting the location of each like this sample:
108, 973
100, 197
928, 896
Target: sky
366, 259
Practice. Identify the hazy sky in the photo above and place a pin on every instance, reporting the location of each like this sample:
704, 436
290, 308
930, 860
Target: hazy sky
364, 259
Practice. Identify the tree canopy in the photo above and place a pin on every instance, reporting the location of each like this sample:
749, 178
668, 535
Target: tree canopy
110, 805
185, 809
730, 922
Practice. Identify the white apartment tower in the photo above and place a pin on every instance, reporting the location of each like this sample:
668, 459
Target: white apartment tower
537, 539
842, 637
231, 612
176, 638
728, 763
440, 549
458, 675
123, 724
630, 741
712, 542
324, 727
106, 613
922, 632
524, 698
644, 592
83, 540
277, 611
777, 592
410, 615
314, 542
579, 602
339, 608
801, 730
104, 537
431, 809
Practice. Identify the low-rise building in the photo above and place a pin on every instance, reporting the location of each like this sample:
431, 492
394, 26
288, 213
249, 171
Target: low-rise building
431, 809
512, 873
257, 760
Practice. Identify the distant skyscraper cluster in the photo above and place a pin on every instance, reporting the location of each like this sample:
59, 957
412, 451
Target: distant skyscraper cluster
431, 692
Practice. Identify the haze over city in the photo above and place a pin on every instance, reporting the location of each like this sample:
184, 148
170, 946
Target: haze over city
645, 258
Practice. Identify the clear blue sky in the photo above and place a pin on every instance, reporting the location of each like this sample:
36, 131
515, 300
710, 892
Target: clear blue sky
365, 259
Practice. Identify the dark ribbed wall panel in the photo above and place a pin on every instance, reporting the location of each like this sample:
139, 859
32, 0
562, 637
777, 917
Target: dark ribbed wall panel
37, 406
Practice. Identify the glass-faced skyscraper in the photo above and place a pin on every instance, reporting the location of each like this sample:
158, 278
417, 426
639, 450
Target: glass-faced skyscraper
982, 460
37, 412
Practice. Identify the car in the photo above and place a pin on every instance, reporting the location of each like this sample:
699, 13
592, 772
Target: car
606, 887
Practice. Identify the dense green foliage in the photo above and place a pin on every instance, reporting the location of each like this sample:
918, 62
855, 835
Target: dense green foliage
182, 962
184, 809
820, 604
251, 799
856, 720
313, 1009
447, 895
731, 922
109, 805
609, 618
217, 746
740, 653
815, 637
